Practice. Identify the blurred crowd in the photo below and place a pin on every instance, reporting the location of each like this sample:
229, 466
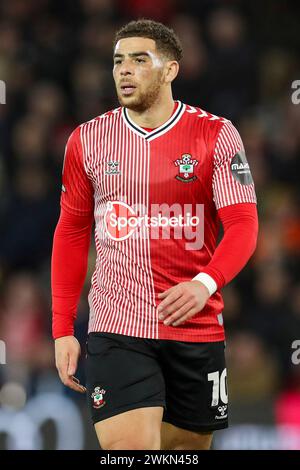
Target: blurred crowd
240, 61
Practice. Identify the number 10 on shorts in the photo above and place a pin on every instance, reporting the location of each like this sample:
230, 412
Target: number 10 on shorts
219, 389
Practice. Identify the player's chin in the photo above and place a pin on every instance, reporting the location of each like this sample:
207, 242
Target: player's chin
129, 102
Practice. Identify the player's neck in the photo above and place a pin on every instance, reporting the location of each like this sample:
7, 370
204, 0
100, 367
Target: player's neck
154, 116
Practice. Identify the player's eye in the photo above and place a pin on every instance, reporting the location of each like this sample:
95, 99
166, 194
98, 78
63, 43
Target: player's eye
139, 61
118, 61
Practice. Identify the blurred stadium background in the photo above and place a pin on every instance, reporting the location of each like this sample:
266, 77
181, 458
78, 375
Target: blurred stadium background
240, 61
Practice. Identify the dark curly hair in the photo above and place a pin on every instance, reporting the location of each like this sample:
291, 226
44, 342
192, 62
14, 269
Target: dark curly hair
165, 38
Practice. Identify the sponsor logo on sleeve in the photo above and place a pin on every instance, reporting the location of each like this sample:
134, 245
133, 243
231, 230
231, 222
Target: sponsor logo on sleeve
240, 168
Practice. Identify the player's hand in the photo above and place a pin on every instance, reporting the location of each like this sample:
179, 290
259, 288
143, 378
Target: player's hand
181, 302
67, 353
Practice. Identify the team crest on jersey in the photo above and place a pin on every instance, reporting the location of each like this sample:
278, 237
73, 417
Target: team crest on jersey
186, 165
112, 168
97, 396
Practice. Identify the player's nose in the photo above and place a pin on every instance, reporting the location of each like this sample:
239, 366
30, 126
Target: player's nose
126, 69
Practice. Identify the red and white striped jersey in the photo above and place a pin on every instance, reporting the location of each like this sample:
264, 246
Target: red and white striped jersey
155, 196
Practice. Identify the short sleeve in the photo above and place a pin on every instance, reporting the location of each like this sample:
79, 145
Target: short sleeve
77, 196
232, 180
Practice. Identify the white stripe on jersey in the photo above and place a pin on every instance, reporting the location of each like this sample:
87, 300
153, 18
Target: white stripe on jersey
226, 189
122, 296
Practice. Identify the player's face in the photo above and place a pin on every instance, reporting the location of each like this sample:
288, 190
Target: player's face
138, 72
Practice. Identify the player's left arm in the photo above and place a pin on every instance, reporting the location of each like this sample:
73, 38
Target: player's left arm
235, 200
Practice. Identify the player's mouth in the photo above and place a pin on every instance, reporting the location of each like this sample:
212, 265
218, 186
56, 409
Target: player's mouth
127, 89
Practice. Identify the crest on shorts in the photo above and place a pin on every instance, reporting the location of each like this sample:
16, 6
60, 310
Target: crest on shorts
186, 166
97, 396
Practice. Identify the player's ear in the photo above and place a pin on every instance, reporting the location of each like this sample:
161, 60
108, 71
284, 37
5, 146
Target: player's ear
172, 68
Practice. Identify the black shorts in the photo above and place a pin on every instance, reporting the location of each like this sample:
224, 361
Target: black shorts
188, 379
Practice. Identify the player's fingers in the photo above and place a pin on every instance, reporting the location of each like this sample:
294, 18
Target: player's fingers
171, 297
162, 295
62, 367
80, 387
62, 361
74, 384
186, 317
72, 366
184, 310
76, 387
63, 373
173, 307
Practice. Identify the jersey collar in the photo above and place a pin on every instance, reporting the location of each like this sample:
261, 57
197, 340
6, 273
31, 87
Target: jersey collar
159, 130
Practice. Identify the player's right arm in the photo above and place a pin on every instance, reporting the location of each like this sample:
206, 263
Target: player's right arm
69, 259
